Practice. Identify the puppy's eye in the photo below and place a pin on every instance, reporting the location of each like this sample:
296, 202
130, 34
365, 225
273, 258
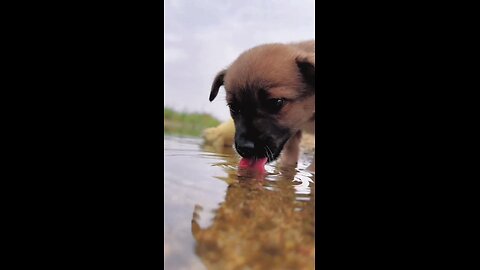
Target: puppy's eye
274, 105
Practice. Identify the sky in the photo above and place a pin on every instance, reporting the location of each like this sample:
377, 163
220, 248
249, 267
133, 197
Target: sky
204, 36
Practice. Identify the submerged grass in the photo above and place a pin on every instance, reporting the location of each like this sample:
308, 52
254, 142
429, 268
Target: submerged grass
186, 124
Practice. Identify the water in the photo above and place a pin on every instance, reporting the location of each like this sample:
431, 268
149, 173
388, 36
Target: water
217, 217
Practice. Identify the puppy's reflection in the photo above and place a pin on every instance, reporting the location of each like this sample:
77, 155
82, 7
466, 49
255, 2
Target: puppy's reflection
264, 223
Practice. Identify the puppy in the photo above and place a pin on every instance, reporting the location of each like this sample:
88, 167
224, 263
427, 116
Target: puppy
270, 90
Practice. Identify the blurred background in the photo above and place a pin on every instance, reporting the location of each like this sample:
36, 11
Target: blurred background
202, 37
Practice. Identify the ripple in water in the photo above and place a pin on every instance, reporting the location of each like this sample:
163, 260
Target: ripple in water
216, 218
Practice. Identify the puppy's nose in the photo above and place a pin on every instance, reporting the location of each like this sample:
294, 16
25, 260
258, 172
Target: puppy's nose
245, 148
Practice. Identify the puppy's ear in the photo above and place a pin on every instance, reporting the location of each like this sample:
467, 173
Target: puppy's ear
217, 82
306, 65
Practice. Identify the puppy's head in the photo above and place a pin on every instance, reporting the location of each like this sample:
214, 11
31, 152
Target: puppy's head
270, 90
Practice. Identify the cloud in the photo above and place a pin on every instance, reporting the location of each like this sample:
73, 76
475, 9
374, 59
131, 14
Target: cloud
173, 55
172, 38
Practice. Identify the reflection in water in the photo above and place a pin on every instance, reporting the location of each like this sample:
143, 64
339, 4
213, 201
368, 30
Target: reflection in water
265, 222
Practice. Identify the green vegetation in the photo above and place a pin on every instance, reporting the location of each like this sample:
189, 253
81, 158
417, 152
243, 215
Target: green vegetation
186, 124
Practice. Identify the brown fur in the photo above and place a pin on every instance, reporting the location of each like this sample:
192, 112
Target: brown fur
285, 71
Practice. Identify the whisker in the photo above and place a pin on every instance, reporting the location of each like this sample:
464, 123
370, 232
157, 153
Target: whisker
266, 152
271, 153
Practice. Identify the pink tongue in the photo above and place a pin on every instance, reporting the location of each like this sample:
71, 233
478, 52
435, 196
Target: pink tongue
258, 164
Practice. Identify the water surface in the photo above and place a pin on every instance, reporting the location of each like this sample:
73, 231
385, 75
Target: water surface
217, 217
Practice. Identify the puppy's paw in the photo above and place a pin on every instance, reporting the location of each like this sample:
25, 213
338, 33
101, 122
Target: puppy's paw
311, 168
288, 161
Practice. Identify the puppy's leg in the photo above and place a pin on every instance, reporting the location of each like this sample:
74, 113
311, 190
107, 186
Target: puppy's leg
312, 166
291, 150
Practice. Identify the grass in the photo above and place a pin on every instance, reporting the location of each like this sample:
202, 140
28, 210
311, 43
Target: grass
186, 124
